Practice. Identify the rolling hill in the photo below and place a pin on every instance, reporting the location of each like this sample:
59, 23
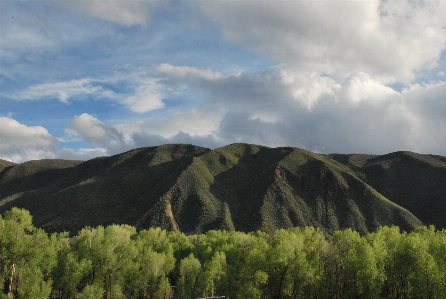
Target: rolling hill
237, 187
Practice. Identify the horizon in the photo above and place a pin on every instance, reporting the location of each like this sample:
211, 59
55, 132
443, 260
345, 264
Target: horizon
235, 143
79, 81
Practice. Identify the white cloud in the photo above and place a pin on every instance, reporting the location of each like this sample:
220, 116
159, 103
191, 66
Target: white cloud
126, 12
281, 106
63, 90
191, 126
93, 131
183, 71
19, 142
361, 87
393, 38
332, 88
194, 121
358, 115
306, 88
147, 97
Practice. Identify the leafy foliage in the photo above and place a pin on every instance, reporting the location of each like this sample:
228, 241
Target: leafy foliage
117, 261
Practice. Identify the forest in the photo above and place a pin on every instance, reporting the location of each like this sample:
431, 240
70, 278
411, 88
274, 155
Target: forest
117, 261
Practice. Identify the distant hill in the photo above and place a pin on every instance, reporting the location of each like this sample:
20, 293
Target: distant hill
237, 187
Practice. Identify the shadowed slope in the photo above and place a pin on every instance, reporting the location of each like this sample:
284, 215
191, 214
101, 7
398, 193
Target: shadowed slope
413, 181
117, 189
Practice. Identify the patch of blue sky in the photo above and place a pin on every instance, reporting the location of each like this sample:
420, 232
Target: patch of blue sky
427, 76
184, 42
54, 116
434, 75
398, 86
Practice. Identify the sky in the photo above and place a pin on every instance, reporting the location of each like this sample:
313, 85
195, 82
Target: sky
88, 78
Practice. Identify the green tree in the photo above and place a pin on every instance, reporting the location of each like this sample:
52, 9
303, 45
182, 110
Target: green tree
27, 256
215, 270
70, 273
111, 253
190, 270
359, 275
93, 291
251, 268
154, 261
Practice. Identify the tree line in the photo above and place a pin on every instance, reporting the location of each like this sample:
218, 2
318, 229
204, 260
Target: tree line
117, 261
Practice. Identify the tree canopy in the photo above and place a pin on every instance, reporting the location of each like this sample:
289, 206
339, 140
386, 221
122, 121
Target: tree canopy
117, 261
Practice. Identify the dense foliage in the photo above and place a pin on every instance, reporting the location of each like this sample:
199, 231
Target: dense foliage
119, 262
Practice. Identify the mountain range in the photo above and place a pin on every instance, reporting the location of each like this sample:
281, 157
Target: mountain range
240, 187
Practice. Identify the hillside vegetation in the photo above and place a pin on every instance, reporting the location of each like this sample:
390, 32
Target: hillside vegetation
413, 181
239, 187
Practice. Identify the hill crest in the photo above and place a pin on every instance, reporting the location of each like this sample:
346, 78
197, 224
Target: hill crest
236, 187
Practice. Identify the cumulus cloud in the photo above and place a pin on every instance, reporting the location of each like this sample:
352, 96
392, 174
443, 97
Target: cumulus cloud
358, 113
195, 121
360, 86
19, 142
394, 38
95, 132
148, 132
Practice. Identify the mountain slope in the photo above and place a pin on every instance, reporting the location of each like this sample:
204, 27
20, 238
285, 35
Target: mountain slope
5, 164
115, 189
245, 187
413, 181
237, 187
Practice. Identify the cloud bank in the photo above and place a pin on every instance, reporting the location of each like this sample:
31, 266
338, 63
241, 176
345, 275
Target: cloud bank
328, 76
391, 38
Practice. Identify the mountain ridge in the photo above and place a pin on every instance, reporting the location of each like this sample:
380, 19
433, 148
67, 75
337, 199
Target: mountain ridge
242, 187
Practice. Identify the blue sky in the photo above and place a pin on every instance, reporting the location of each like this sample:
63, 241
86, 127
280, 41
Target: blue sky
80, 79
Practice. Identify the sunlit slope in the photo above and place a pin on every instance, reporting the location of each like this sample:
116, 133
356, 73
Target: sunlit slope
416, 182
193, 189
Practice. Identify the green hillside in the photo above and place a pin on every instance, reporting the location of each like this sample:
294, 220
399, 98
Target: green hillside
192, 189
413, 181
247, 187
118, 189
